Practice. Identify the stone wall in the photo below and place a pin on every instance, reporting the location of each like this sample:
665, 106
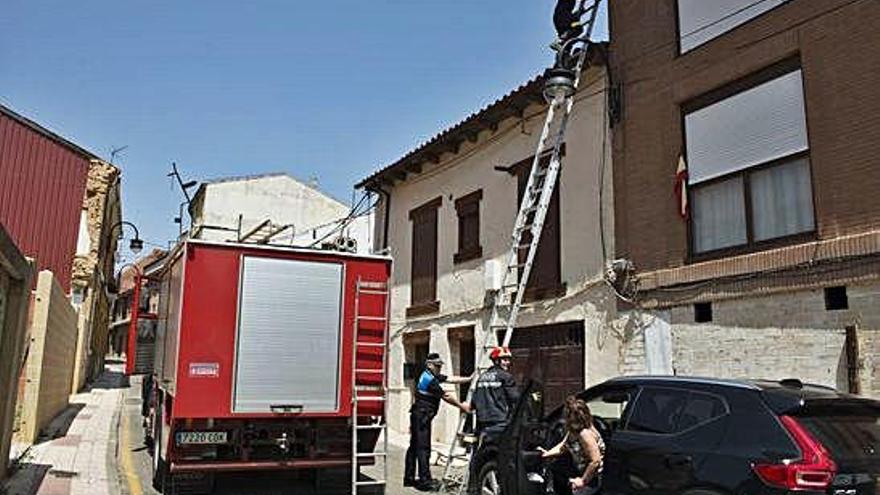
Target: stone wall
92, 271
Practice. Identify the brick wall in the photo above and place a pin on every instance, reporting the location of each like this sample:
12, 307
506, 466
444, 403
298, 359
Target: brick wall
50, 362
786, 335
836, 41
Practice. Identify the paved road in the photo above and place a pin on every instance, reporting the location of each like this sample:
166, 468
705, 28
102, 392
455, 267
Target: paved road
134, 464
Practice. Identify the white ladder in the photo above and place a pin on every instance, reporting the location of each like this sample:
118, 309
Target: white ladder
369, 385
529, 219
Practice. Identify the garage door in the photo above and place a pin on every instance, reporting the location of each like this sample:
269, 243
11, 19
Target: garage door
552, 355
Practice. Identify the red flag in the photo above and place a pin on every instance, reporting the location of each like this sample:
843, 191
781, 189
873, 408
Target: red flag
681, 179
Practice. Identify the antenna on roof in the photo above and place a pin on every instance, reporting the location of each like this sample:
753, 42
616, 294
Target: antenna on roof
116, 151
184, 186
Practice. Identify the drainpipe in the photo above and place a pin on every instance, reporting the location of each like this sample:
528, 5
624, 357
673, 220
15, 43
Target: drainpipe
387, 195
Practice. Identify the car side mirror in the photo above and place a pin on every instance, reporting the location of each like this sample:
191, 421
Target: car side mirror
536, 404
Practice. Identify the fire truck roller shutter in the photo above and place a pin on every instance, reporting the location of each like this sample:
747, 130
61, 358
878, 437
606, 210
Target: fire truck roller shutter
288, 339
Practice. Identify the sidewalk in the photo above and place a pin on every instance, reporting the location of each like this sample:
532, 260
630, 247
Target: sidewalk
77, 455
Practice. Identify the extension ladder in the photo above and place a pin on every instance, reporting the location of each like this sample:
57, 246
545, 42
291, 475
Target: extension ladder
520, 258
369, 384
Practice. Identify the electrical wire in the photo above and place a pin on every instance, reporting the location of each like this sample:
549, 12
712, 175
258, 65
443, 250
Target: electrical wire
344, 222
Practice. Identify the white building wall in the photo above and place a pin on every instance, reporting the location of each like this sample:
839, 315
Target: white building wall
461, 287
279, 198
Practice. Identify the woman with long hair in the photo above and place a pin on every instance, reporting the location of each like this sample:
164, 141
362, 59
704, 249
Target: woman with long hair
583, 441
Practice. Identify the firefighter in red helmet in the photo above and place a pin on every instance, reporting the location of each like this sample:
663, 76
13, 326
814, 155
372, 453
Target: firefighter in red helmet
496, 394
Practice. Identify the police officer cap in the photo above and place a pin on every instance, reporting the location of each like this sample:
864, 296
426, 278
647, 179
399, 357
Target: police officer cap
434, 358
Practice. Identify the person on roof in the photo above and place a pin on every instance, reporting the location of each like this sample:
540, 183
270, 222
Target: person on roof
428, 395
567, 21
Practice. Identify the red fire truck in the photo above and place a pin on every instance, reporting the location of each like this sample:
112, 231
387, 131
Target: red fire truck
268, 358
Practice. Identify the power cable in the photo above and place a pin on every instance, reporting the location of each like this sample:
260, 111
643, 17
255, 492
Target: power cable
347, 219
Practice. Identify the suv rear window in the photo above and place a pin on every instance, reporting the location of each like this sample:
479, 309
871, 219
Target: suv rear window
850, 433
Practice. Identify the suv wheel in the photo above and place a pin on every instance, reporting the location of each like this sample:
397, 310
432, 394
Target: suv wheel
489, 481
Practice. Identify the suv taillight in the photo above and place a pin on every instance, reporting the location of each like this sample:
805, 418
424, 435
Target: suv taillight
813, 471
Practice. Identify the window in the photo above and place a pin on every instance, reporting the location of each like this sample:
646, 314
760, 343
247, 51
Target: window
416, 349
836, 298
850, 432
666, 411
748, 164
657, 410
700, 409
702, 20
462, 353
468, 210
703, 312
545, 280
424, 259
609, 407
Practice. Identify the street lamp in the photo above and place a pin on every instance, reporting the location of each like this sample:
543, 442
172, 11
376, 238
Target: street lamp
558, 84
136, 244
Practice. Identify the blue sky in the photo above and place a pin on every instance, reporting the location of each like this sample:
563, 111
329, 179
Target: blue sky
327, 89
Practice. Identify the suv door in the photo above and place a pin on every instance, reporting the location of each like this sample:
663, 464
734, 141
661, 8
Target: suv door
609, 406
668, 437
646, 441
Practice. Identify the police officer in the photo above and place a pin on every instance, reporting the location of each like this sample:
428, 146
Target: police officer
496, 395
428, 395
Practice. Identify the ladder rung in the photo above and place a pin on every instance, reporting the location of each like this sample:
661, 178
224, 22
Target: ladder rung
369, 388
369, 398
364, 370
372, 454
369, 482
370, 344
372, 318
367, 284
373, 291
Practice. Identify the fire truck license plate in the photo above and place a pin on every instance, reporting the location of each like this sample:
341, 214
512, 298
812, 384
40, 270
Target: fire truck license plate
200, 437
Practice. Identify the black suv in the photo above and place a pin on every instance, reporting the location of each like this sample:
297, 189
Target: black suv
695, 436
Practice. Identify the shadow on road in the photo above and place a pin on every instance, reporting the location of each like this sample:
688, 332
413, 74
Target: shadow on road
33, 473
61, 424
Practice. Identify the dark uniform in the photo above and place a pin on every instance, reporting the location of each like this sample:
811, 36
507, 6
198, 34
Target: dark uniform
427, 403
494, 399
564, 19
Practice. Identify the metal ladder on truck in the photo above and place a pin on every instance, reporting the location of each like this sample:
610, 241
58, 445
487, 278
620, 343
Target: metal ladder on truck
369, 385
524, 245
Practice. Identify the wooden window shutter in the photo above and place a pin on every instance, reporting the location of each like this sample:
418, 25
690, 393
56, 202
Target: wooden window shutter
424, 259
545, 279
468, 210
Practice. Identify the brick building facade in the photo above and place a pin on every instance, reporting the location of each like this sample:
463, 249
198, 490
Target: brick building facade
772, 268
